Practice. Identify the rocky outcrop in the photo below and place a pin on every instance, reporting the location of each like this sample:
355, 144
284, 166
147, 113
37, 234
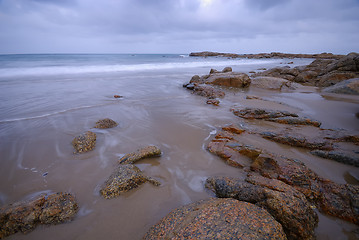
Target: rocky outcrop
149, 151
205, 91
217, 219
125, 178
320, 73
45, 209
282, 117
339, 200
298, 140
85, 142
106, 123
287, 205
350, 86
225, 78
265, 55
274, 83
339, 156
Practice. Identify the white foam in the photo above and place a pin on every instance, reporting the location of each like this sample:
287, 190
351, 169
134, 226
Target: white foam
63, 70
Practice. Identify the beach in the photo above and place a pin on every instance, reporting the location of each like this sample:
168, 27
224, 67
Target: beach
48, 100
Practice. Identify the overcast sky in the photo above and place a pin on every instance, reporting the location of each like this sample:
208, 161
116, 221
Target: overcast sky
178, 26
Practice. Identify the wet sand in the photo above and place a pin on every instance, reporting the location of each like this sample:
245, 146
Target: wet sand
37, 155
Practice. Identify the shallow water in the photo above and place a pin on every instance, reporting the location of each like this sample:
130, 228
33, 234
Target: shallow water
40, 114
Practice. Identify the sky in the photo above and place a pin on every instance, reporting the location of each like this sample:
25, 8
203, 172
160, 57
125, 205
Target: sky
179, 26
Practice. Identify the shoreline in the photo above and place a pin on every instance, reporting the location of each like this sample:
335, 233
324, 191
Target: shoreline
161, 113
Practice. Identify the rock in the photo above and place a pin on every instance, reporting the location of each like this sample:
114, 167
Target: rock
118, 96
274, 83
106, 123
208, 92
125, 178
227, 69
333, 78
338, 156
350, 86
329, 197
85, 142
149, 151
295, 121
45, 209
251, 97
257, 113
297, 140
195, 79
265, 55
214, 102
287, 205
228, 79
217, 219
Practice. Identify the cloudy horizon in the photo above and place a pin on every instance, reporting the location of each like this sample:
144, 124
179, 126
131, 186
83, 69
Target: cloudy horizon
179, 26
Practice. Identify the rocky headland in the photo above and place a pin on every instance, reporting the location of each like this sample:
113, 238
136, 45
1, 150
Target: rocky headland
283, 186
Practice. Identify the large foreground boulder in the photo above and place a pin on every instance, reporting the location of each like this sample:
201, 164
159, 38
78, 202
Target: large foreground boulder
287, 205
217, 219
46, 209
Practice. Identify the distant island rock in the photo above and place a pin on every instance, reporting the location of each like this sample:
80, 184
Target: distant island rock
266, 55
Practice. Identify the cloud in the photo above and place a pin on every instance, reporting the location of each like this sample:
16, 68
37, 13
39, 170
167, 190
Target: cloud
178, 25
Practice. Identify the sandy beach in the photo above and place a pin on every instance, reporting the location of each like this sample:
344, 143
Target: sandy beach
42, 114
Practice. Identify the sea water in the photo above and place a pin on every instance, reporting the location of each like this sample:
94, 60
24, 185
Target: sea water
48, 99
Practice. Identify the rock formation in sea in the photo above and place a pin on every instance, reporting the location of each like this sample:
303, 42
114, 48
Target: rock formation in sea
84, 142
24, 216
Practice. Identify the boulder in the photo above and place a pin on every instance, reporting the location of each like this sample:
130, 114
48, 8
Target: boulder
214, 102
106, 123
85, 142
274, 83
217, 219
24, 216
149, 151
350, 86
339, 156
208, 91
229, 79
125, 178
287, 205
227, 69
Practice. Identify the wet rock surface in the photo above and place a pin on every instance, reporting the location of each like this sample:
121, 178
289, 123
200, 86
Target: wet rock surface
339, 156
350, 86
149, 151
217, 219
330, 198
287, 205
106, 123
274, 83
322, 73
85, 142
46, 209
257, 113
125, 178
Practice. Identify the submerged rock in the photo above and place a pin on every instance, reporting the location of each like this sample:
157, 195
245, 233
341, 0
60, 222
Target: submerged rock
217, 219
287, 205
45, 209
295, 121
149, 151
125, 178
106, 123
85, 142
214, 102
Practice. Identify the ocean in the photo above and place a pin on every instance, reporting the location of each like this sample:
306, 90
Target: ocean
48, 99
